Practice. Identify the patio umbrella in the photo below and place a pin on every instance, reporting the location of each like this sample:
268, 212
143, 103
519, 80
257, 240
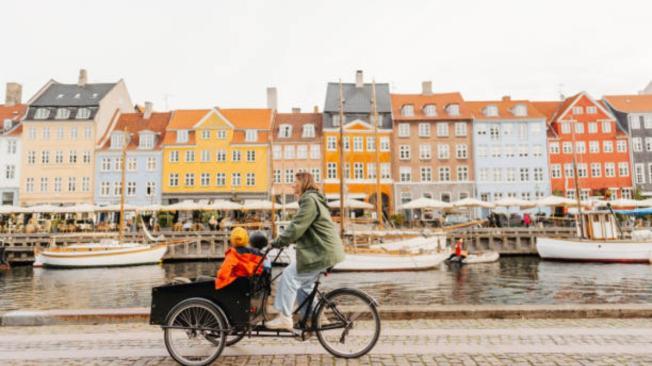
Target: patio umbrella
645, 203
514, 202
109, 208
424, 202
624, 202
44, 209
82, 208
351, 203
258, 205
9, 209
223, 205
472, 202
149, 208
554, 201
186, 205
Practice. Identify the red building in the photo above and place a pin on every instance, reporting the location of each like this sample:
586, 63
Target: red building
583, 129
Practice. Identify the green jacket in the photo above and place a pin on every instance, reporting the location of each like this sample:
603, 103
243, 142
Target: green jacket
318, 245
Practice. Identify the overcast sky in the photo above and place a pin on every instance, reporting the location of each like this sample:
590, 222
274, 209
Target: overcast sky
225, 53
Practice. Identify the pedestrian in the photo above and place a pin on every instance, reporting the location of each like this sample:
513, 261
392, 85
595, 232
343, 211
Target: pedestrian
527, 220
318, 247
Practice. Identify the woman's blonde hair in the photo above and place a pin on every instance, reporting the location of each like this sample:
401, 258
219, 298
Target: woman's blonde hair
307, 181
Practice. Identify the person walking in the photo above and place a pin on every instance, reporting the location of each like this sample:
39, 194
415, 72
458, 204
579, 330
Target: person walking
318, 247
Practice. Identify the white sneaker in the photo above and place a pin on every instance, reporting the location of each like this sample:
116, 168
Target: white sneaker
281, 322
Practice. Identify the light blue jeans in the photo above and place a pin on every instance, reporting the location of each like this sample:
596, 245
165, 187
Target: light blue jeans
294, 286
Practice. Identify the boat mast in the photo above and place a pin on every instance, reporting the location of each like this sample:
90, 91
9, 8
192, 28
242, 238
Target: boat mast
272, 221
578, 218
341, 169
375, 121
123, 178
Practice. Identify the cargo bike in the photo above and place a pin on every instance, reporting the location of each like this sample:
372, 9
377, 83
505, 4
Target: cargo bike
199, 321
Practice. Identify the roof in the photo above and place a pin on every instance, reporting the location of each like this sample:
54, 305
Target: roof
239, 137
637, 103
185, 119
440, 100
135, 123
548, 108
505, 107
357, 100
72, 95
297, 121
249, 118
13, 113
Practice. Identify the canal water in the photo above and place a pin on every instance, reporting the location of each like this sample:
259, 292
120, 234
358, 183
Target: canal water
512, 280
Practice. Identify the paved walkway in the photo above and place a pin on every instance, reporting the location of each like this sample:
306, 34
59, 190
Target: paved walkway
417, 342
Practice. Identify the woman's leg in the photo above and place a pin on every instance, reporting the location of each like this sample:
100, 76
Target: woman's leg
293, 287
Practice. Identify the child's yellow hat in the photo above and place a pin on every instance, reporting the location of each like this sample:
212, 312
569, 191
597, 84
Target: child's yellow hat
239, 237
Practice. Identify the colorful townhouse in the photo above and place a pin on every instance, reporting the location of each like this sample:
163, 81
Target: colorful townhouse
63, 125
509, 150
11, 114
217, 153
433, 147
360, 141
140, 135
634, 116
296, 147
581, 129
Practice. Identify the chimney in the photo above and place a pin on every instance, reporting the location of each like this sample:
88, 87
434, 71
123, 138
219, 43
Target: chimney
13, 94
359, 80
315, 109
507, 98
272, 98
426, 87
147, 113
83, 77
296, 110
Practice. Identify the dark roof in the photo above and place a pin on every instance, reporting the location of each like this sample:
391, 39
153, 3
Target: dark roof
72, 95
297, 120
357, 100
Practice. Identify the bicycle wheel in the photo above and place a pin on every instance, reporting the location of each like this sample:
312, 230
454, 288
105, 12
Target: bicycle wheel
347, 323
196, 342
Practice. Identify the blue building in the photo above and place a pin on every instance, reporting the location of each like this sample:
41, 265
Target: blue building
510, 150
143, 133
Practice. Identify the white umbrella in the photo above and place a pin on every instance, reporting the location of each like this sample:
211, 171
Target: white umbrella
82, 208
223, 205
513, 202
149, 208
424, 202
351, 203
258, 205
186, 205
623, 202
554, 201
645, 203
44, 209
127, 207
9, 209
472, 202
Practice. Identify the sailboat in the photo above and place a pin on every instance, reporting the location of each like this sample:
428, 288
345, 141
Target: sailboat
106, 252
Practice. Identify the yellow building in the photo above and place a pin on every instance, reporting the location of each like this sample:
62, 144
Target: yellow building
217, 153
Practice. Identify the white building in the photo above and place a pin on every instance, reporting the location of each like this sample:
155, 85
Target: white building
11, 114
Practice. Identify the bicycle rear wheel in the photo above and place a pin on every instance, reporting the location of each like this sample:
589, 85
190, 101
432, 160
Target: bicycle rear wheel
347, 323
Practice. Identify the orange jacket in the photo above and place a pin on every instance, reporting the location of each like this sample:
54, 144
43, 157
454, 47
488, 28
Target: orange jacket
238, 262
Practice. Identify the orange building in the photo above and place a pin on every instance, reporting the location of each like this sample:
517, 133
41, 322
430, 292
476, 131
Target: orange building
360, 142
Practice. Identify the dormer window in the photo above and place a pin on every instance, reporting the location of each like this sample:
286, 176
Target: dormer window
453, 109
117, 140
285, 131
182, 136
490, 111
59, 96
520, 110
308, 131
42, 113
146, 140
83, 113
77, 96
6, 124
430, 110
251, 135
62, 113
407, 110
94, 96
336, 119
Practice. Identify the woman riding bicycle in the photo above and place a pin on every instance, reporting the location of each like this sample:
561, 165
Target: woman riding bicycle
318, 247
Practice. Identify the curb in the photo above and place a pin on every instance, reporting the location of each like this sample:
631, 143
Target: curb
141, 315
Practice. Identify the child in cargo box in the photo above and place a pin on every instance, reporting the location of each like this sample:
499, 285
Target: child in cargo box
240, 260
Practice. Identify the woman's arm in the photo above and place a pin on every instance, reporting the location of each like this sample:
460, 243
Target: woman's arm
300, 223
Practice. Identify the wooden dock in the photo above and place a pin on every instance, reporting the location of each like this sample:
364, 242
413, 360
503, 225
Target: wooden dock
507, 241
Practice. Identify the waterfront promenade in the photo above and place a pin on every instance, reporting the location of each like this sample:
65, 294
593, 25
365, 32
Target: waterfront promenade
415, 342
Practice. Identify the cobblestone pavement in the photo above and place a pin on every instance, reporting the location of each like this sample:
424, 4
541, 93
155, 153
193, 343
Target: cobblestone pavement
419, 342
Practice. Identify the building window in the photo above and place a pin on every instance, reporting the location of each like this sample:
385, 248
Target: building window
606, 127
276, 174
443, 151
627, 193
357, 143
582, 171
621, 145
58, 157
425, 152
608, 146
131, 189
453, 109
461, 151
189, 180
308, 131
42, 113
403, 130
490, 111
221, 134
205, 179
251, 135
251, 155
151, 163
29, 185
442, 129
404, 152
484, 174
315, 151
289, 176
358, 171
407, 110
579, 127
331, 171
596, 170
331, 143
637, 144
537, 174
173, 180
384, 143
146, 141
12, 147
462, 173
405, 174
371, 171
45, 157
106, 164
62, 113
336, 119
649, 172
190, 156
60, 133
609, 170
494, 132
537, 151
10, 171
235, 155
150, 190
623, 169
205, 134
460, 129
639, 173
182, 136
525, 174
83, 113
580, 147
174, 156
591, 110
647, 122
565, 128
31, 133
316, 173
88, 133
86, 157
220, 179
510, 174
105, 189
72, 184
117, 164
424, 129
426, 174
132, 164
46, 133
594, 147
385, 171
221, 155
285, 131
555, 171
444, 174
251, 179
554, 148
289, 152
58, 184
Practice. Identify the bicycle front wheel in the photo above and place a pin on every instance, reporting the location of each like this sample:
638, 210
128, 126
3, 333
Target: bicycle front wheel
347, 323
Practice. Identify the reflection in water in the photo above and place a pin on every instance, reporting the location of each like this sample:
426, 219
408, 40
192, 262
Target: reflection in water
512, 280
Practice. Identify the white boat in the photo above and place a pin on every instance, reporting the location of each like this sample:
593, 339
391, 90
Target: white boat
599, 240
415, 245
103, 254
481, 257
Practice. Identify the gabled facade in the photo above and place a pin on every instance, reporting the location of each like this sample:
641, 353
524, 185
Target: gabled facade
360, 142
11, 114
217, 153
63, 125
296, 146
509, 150
634, 115
433, 147
582, 129
143, 134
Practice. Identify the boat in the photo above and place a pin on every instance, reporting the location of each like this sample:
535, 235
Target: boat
599, 239
481, 257
106, 253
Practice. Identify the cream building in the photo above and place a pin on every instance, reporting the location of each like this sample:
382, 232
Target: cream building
62, 127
